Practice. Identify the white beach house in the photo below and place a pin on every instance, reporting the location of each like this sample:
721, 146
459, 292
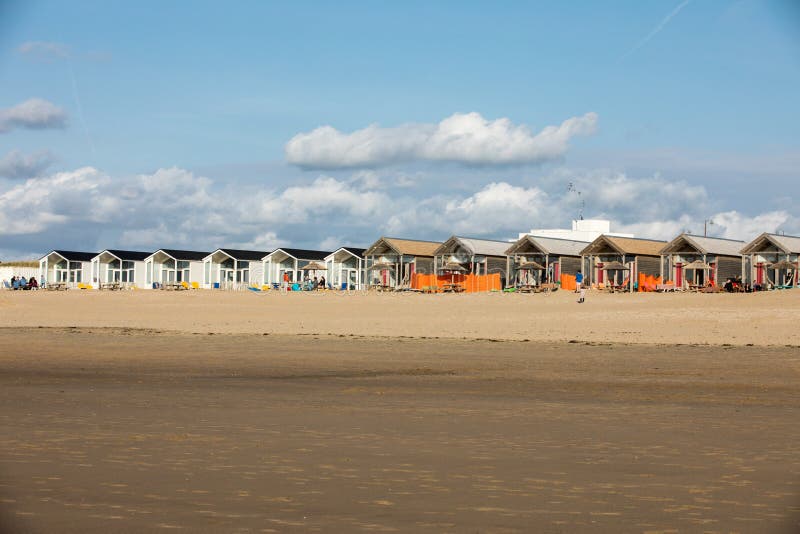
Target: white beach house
66, 267
347, 268
228, 268
292, 261
170, 266
119, 268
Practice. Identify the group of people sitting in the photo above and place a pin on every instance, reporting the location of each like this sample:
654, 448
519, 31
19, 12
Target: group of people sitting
735, 285
310, 284
21, 283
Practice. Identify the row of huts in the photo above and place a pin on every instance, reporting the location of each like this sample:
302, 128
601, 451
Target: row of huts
476, 264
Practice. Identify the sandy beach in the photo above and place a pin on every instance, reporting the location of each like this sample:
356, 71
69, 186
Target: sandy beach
718, 319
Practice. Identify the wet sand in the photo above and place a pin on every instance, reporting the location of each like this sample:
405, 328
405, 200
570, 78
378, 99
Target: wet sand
151, 431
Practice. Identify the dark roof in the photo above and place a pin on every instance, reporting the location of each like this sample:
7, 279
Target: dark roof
71, 255
128, 255
303, 254
355, 251
191, 255
247, 255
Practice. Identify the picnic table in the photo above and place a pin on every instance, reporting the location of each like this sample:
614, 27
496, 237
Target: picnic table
452, 288
663, 288
57, 286
111, 286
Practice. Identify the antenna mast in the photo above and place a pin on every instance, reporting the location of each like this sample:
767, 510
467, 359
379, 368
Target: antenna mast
581, 203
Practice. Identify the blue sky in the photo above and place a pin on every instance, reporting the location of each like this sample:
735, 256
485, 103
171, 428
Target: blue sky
693, 97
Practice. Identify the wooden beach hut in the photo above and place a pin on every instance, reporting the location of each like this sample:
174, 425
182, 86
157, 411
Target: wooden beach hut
714, 260
557, 257
640, 257
228, 268
475, 264
170, 266
347, 268
391, 262
291, 261
66, 267
119, 269
772, 259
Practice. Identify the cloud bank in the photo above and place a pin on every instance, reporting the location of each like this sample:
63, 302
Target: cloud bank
16, 165
87, 209
465, 138
33, 114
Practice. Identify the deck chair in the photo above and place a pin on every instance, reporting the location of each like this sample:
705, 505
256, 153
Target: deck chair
256, 289
185, 285
195, 285
6, 284
265, 287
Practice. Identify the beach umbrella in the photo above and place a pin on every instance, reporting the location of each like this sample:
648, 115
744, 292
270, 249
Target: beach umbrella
314, 266
615, 266
454, 268
530, 266
783, 264
698, 264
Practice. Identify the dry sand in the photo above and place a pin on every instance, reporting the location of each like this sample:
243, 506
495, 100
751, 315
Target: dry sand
760, 319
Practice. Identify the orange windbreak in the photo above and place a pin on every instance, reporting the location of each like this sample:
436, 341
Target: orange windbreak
568, 282
470, 282
648, 282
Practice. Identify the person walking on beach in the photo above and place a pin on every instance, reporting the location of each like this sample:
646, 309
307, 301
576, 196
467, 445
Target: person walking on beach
580, 288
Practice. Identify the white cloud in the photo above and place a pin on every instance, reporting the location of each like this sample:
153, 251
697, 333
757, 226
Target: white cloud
175, 208
17, 165
463, 137
44, 50
33, 114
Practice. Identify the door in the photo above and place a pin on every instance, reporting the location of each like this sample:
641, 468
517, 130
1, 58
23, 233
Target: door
678, 275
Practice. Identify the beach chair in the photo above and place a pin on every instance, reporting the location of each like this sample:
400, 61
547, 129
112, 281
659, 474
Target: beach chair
6, 285
265, 287
185, 285
195, 285
256, 289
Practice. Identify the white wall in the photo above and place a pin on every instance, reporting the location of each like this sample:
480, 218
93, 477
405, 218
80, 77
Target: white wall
7, 272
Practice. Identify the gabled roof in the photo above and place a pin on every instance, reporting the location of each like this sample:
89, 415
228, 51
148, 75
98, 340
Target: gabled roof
357, 252
625, 245
182, 255
549, 245
479, 247
126, 255
71, 255
243, 255
788, 244
301, 254
408, 247
704, 245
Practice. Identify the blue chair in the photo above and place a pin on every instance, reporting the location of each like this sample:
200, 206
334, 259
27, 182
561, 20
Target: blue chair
344, 286
216, 285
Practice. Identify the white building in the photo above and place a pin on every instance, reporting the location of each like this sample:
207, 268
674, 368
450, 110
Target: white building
347, 268
124, 267
582, 230
66, 267
228, 268
291, 261
169, 266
